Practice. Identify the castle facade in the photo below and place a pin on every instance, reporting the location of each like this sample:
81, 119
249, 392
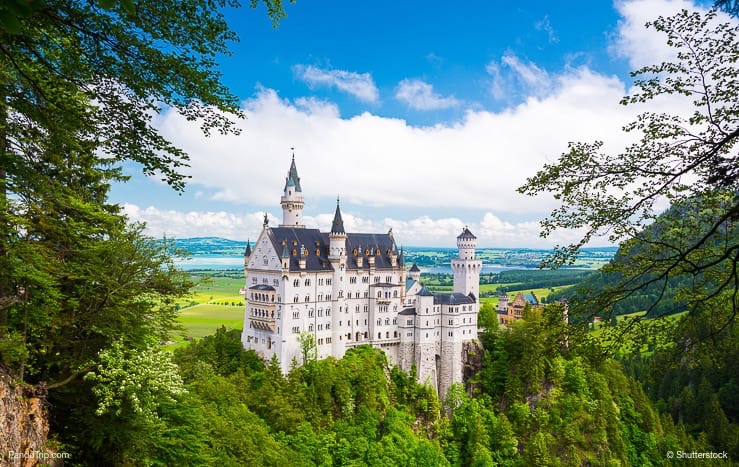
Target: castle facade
349, 289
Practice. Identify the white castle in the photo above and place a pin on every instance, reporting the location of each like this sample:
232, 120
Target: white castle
351, 289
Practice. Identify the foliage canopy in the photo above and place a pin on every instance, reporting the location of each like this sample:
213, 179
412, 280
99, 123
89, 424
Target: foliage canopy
688, 160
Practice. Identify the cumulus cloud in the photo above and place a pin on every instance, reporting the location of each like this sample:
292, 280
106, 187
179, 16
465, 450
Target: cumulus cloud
419, 231
360, 85
472, 166
421, 96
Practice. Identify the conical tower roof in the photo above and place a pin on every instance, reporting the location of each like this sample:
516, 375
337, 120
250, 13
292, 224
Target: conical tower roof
466, 234
293, 180
337, 226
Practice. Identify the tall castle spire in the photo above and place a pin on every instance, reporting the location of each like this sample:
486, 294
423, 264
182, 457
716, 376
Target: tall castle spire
292, 199
337, 236
337, 226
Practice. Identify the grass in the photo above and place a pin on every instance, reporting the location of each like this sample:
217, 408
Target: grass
203, 319
215, 290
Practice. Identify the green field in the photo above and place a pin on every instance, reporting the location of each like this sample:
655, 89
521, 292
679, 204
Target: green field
214, 302
203, 319
215, 288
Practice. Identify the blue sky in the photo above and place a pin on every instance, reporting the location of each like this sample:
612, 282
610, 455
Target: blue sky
421, 116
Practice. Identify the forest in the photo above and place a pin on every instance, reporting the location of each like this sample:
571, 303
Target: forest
86, 297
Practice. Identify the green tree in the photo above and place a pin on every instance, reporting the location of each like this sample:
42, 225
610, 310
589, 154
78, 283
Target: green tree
689, 160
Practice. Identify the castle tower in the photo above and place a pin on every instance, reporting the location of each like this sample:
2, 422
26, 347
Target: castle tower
414, 273
465, 267
292, 201
337, 235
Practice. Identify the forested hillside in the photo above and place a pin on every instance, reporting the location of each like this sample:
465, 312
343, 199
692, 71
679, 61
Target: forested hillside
542, 397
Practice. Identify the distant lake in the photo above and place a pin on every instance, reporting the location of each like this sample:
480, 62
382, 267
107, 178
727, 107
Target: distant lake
220, 263
486, 268
214, 262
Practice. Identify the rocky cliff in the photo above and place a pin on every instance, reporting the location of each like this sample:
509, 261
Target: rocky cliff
24, 424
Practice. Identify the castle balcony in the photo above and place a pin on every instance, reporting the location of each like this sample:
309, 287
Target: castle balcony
264, 324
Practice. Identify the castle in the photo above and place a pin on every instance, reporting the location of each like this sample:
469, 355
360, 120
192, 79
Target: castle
350, 289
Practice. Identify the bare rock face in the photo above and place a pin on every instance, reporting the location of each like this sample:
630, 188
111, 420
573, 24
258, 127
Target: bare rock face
472, 353
24, 424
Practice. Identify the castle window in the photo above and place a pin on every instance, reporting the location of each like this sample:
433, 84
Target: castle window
379, 322
328, 281
320, 312
296, 283
328, 311
366, 252
296, 314
409, 322
295, 299
328, 325
318, 252
379, 335
387, 334
310, 328
295, 252
356, 252
307, 282
295, 243
395, 333
307, 298
283, 242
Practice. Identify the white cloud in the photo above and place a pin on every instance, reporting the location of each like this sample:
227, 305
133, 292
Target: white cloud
642, 46
420, 231
535, 80
360, 85
474, 165
546, 26
421, 96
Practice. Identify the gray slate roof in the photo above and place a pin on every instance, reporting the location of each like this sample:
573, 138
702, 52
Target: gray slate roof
288, 240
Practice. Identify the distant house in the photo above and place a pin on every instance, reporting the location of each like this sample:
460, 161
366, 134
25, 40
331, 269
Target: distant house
511, 310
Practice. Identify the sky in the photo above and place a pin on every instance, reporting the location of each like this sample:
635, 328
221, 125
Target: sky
421, 116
